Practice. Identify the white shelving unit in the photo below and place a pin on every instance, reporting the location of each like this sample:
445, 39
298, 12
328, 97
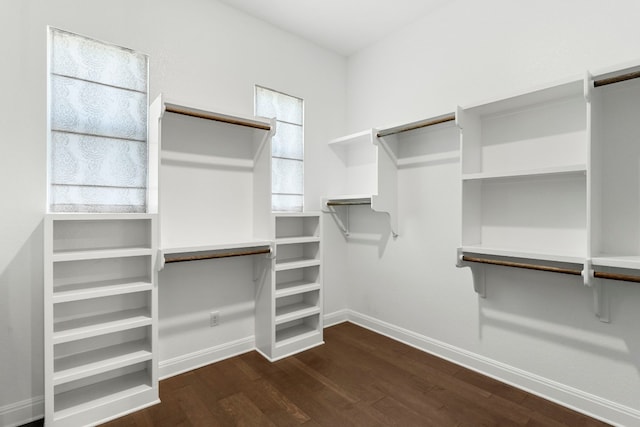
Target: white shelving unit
549, 181
289, 312
370, 177
524, 167
100, 316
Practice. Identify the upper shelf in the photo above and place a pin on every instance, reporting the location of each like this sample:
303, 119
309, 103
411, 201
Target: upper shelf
201, 113
214, 251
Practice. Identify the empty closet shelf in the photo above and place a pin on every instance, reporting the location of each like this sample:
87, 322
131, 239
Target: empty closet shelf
86, 327
296, 240
75, 401
80, 291
295, 333
473, 250
60, 256
83, 365
295, 311
295, 288
290, 264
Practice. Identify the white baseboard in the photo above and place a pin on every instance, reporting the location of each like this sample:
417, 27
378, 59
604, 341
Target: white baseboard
19, 413
578, 400
336, 317
188, 362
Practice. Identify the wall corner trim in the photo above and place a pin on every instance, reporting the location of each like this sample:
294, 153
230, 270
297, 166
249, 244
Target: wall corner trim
23, 412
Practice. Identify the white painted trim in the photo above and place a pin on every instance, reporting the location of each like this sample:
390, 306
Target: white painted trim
23, 412
336, 317
578, 400
200, 358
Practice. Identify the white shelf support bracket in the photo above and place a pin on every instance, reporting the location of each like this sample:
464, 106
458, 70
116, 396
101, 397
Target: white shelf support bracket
160, 260
600, 295
342, 223
477, 273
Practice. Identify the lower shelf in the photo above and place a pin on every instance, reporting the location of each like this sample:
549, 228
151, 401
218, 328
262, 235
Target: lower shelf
86, 327
83, 365
299, 329
92, 396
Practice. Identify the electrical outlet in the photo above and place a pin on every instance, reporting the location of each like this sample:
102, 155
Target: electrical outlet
214, 318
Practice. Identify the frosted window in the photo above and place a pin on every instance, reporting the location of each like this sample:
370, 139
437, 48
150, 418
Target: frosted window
288, 147
286, 176
98, 126
287, 142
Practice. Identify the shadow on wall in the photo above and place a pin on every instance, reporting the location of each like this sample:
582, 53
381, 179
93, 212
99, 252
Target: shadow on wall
365, 226
557, 311
21, 324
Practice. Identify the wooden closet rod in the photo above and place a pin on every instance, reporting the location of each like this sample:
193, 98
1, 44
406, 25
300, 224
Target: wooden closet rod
217, 255
418, 125
523, 265
218, 118
617, 79
348, 202
615, 276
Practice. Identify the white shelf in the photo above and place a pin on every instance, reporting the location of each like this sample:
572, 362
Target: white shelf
76, 292
295, 333
568, 88
526, 254
291, 312
290, 264
98, 361
541, 172
295, 287
92, 326
61, 256
89, 397
82, 216
208, 113
252, 244
631, 262
363, 137
297, 240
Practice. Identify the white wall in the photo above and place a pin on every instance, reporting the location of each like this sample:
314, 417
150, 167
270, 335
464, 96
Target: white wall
201, 52
535, 329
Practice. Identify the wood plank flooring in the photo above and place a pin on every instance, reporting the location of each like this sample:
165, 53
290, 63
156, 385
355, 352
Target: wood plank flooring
358, 378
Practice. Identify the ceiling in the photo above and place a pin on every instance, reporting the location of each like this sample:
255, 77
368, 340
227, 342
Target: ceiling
343, 26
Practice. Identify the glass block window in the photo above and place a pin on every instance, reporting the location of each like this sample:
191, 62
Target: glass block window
288, 147
98, 107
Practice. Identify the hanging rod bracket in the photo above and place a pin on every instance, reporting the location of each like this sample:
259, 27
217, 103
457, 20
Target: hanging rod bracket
477, 273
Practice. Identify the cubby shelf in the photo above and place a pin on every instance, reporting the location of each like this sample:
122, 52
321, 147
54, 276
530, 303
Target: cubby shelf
86, 327
81, 291
295, 287
295, 334
83, 365
295, 311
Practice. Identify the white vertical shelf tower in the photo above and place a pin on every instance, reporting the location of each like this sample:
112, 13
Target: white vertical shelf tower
100, 316
214, 182
289, 308
370, 178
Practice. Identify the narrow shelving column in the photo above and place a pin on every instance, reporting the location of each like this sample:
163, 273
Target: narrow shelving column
289, 312
100, 316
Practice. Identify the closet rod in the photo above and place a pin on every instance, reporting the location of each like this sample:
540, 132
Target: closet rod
218, 118
615, 276
617, 79
523, 265
348, 202
217, 255
414, 126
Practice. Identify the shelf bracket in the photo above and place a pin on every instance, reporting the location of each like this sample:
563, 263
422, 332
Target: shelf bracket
343, 224
477, 272
600, 294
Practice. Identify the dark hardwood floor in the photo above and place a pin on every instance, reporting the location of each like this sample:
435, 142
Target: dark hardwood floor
358, 378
